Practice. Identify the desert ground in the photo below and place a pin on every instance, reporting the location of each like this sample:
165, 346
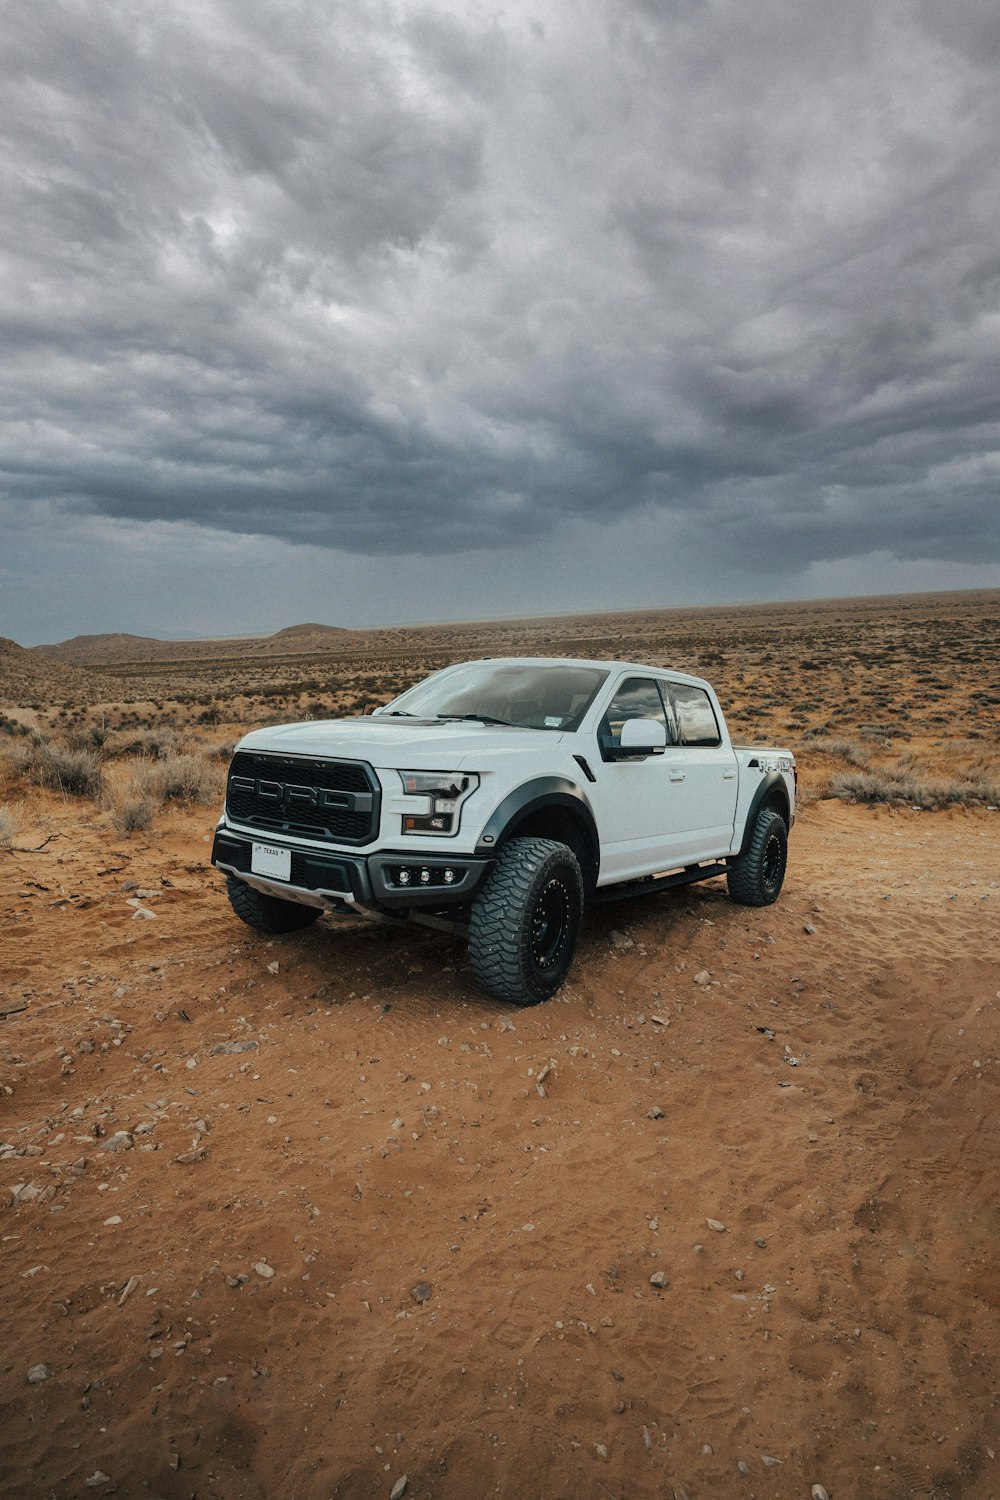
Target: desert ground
313, 1217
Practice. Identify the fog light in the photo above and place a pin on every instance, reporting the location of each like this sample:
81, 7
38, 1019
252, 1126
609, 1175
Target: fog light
449, 876
425, 877
404, 877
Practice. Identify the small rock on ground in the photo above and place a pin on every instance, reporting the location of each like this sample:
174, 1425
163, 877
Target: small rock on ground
120, 1141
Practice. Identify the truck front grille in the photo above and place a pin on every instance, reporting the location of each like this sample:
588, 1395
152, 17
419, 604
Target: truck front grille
335, 801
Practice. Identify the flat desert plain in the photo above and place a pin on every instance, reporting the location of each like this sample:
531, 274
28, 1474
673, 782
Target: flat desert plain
312, 1217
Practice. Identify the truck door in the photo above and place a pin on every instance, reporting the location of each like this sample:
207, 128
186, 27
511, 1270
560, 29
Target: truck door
632, 799
703, 772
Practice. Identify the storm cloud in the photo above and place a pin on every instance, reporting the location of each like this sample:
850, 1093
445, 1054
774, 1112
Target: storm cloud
428, 279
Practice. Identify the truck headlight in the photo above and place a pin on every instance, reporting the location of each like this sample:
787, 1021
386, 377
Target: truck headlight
442, 794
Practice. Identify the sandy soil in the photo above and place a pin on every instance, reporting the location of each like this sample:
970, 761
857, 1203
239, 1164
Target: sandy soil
368, 1224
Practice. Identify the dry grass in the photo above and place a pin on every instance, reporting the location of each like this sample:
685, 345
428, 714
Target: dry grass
183, 778
73, 772
130, 811
896, 786
10, 825
132, 788
136, 790
849, 750
154, 744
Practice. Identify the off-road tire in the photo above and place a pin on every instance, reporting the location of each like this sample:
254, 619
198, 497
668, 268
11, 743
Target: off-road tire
755, 878
525, 921
267, 913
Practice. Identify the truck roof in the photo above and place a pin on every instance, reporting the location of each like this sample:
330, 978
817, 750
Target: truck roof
581, 661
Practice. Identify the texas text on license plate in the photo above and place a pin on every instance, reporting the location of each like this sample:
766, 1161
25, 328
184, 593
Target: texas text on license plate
272, 860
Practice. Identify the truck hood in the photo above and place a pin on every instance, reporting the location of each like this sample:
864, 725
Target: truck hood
398, 743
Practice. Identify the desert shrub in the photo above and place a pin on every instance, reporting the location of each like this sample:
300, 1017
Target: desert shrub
76, 772
896, 786
23, 761
9, 823
86, 737
158, 744
844, 749
131, 811
182, 778
135, 790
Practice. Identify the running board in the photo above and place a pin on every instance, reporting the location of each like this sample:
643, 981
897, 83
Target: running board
656, 883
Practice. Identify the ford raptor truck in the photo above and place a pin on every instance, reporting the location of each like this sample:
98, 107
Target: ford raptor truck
496, 799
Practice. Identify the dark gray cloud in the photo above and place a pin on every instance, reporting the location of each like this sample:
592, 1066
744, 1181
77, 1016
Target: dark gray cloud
391, 278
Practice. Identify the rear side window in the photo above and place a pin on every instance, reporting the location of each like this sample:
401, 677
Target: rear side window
637, 698
695, 715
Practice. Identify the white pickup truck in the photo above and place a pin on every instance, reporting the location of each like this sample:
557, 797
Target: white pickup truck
496, 798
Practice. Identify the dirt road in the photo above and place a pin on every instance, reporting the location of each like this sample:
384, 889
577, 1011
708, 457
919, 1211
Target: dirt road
301, 1217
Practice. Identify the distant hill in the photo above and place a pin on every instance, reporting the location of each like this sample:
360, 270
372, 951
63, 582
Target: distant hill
27, 678
118, 647
87, 649
291, 632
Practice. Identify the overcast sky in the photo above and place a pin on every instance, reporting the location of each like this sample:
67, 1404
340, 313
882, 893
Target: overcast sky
362, 311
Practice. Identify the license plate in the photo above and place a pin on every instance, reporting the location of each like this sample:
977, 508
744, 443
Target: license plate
272, 860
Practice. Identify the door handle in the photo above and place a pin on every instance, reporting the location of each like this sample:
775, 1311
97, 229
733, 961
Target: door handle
729, 775
677, 776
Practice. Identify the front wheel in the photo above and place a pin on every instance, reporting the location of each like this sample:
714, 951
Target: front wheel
525, 921
755, 878
267, 913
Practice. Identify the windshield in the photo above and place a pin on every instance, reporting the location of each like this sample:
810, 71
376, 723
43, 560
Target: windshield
528, 695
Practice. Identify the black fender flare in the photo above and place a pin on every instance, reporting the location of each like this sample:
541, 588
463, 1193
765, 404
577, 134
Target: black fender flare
772, 782
536, 796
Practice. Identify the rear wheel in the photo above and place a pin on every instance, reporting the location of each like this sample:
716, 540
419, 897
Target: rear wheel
525, 921
267, 913
756, 877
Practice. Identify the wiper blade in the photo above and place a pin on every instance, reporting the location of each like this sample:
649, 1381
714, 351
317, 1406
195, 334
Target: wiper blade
475, 719
400, 713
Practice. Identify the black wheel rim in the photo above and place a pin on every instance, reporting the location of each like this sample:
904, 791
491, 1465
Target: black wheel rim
550, 924
773, 862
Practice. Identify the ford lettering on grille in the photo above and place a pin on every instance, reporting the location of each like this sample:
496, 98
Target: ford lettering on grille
334, 801
289, 795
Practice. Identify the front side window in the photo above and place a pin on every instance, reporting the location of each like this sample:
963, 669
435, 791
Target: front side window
637, 698
695, 715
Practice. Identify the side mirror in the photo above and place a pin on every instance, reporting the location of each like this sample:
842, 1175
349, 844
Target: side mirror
641, 737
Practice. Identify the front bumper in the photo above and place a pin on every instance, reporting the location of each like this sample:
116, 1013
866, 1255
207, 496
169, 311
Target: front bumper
391, 880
